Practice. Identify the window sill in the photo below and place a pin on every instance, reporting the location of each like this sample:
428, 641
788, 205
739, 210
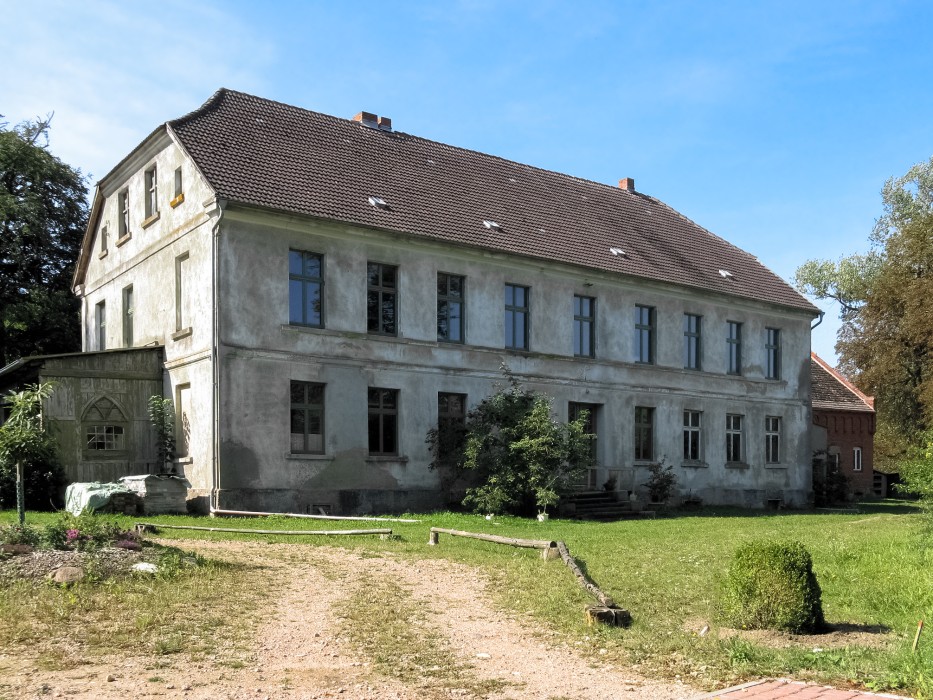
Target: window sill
736, 465
776, 466
177, 199
183, 333
104, 455
643, 462
123, 239
151, 220
309, 456
102, 254
694, 464
399, 459
183, 460
303, 327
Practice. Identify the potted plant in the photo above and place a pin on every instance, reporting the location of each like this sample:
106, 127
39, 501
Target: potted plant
660, 482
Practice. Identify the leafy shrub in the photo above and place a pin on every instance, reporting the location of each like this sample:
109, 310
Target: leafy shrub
19, 534
660, 482
829, 490
771, 585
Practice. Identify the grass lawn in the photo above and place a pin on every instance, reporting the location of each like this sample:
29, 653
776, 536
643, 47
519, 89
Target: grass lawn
875, 570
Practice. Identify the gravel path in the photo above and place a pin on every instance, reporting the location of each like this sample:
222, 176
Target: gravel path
299, 652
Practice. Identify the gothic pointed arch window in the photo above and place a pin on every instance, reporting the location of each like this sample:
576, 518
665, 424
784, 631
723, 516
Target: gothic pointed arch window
104, 427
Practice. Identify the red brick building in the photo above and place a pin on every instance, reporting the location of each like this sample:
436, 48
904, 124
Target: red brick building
844, 426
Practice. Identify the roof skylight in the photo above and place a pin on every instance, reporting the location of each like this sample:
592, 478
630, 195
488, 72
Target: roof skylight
378, 202
725, 273
491, 225
618, 252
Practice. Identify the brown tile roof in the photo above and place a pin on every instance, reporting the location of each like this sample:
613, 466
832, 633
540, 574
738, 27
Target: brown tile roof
829, 390
259, 152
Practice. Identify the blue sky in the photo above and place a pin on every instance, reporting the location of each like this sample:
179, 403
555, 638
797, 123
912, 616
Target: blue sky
773, 124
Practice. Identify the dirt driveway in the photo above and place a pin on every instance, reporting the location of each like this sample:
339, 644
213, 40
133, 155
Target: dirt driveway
303, 650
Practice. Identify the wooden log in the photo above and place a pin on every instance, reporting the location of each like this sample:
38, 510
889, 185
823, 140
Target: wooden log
513, 541
141, 527
582, 578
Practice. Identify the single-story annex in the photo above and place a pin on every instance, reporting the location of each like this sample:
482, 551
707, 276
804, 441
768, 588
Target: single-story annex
326, 290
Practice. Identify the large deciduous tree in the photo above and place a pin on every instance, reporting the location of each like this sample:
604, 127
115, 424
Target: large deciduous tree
886, 296
43, 214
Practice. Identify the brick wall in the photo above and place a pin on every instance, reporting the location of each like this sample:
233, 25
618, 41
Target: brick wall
846, 430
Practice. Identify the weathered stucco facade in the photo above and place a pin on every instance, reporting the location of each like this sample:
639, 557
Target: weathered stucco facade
211, 281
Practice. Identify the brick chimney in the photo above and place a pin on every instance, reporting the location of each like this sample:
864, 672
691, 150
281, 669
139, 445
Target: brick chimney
367, 119
372, 121
627, 184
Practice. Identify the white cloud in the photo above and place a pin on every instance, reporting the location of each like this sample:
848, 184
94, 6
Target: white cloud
114, 71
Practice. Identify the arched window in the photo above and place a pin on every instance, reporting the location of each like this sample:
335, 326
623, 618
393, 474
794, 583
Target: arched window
104, 427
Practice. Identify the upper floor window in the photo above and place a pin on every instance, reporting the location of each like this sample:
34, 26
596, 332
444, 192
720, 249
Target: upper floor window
381, 299
644, 334
773, 439
773, 351
734, 447
691, 341
734, 347
450, 297
692, 435
128, 316
516, 316
383, 421
182, 293
584, 326
100, 324
179, 194
305, 283
307, 417
104, 240
123, 213
152, 192
644, 433
857, 459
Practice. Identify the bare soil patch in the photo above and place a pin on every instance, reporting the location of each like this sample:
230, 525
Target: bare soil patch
836, 636
302, 649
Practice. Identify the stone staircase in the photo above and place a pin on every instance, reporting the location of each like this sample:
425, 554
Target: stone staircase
600, 505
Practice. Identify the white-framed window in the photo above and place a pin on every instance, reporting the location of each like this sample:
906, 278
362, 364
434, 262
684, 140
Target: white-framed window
104, 242
182, 292
100, 324
692, 436
152, 192
105, 428
734, 446
857, 459
105, 437
128, 316
123, 213
773, 439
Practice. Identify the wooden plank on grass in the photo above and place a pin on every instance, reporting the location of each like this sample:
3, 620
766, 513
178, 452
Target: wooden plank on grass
249, 531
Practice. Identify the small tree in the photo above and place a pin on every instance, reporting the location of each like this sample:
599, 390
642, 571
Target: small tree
162, 416
917, 474
660, 482
519, 456
25, 442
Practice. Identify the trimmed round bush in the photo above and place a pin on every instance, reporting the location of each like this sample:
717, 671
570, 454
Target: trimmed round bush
771, 585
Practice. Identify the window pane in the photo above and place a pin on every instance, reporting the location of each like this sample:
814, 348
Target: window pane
374, 433
294, 262
313, 304
456, 285
388, 398
509, 329
372, 312
388, 276
519, 330
454, 332
388, 434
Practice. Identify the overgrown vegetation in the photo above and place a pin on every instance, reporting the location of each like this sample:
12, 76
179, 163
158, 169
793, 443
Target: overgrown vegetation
917, 474
162, 417
517, 457
771, 585
31, 475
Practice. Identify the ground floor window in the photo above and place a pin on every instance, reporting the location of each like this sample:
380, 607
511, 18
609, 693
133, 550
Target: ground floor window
692, 436
644, 433
772, 439
451, 422
383, 421
857, 459
307, 417
105, 437
734, 437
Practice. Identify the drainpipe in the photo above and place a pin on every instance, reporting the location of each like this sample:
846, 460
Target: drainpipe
214, 500
819, 321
